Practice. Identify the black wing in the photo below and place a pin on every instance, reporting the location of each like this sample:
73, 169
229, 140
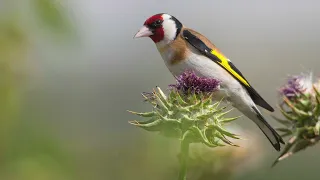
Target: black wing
228, 66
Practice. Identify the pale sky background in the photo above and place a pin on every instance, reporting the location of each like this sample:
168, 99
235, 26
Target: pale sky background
90, 85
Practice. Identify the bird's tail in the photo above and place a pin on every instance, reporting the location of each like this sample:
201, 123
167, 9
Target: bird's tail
274, 138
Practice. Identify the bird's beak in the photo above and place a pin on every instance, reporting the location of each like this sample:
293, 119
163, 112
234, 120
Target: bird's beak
143, 32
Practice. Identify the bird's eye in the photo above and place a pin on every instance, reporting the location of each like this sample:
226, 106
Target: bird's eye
156, 24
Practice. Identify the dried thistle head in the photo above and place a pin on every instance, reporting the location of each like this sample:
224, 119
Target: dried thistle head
300, 105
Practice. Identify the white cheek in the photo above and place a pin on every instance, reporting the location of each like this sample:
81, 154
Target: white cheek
169, 28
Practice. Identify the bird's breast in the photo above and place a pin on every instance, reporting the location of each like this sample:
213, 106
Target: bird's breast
198, 63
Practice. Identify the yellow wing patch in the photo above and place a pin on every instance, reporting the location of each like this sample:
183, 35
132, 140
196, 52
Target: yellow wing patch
225, 63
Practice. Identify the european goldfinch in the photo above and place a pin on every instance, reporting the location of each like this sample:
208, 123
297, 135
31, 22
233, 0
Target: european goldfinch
183, 49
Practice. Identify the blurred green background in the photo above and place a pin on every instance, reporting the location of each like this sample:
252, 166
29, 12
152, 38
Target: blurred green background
69, 70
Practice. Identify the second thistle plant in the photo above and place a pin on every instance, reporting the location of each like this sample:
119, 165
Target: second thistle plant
188, 113
300, 105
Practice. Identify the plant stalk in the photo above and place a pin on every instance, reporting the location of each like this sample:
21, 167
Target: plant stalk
184, 156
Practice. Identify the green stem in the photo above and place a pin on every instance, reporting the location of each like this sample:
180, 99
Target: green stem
184, 155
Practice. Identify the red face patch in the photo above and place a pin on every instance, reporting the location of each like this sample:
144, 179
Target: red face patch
153, 18
154, 23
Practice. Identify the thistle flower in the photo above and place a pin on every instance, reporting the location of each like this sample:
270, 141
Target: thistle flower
188, 113
188, 82
301, 108
297, 85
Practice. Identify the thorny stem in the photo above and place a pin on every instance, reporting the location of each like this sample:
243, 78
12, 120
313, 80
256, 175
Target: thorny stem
184, 155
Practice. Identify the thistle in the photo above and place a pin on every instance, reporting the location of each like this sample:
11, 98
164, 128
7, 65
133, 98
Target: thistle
188, 113
300, 106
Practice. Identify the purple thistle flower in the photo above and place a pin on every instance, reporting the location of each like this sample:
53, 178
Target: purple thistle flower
188, 81
297, 85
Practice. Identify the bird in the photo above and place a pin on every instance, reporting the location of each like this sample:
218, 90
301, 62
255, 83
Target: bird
182, 49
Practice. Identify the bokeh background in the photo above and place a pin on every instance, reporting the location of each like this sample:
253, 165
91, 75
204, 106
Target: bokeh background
69, 70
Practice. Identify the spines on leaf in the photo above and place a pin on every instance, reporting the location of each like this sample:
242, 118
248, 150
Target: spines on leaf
177, 114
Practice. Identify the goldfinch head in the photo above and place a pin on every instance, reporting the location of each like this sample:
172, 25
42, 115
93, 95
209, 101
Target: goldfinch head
161, 28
